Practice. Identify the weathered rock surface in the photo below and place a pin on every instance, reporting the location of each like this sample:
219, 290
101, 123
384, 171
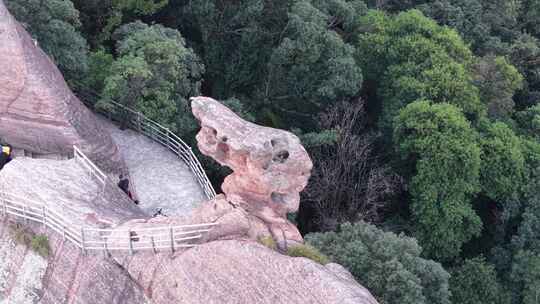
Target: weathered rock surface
220, 272
270, 166
237, 271
66, 276
38, 112
234, 269
158, 178
67, 188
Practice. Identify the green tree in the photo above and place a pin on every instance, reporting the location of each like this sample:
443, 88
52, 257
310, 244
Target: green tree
126, 84
497, 27
312, 66
343, 15
99, 68
100, 18
528, 235
530, 17
286, 60
503, 163
409, 57
497, 80
168, 72
389, 265
490, 26
235, 40
55, 24
529, 121
521, 268
130, 8
526, 274
475, 282
441, 145
524, 54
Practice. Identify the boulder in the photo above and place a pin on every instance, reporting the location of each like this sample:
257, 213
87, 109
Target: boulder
270, 166
38, 112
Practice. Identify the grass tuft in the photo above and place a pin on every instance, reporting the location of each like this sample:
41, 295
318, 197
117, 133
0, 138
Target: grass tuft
309, 252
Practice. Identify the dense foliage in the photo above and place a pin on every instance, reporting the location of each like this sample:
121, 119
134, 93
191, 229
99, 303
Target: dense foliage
389, 265
441, 142
422, 117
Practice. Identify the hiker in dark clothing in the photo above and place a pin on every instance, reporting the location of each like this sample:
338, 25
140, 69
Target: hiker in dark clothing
124, 185
3, 160
158, 212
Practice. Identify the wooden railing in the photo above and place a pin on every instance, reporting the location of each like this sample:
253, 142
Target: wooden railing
138, 122
106, 240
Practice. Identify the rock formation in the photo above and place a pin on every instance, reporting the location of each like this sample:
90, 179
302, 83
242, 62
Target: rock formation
38, 112
270, 166
221, 272
227, 267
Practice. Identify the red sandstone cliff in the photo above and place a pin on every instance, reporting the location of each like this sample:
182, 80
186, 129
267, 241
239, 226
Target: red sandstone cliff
38, 112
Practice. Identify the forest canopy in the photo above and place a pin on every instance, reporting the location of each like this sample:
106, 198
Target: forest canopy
422, 118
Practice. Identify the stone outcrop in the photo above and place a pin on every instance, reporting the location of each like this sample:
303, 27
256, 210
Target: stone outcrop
270, 166
228, 266
66, 276
38, 112
236, 271
221, 272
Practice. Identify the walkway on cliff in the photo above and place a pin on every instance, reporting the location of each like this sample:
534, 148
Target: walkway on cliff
67, 188
158, 178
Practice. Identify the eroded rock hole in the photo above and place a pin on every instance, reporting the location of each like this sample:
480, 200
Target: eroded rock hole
278, 143
222, 150
278, 198
281, 156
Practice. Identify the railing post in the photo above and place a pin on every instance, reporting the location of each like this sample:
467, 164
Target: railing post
44, 214
130, 243
139, 121
4, 207
105, 249
103, 187
83, 248
24, 214
172, 238
153, 244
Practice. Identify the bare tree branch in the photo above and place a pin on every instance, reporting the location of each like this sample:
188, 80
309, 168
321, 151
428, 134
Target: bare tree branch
348, 183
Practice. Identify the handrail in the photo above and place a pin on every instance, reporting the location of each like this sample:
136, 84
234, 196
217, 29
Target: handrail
88, 164
86, 238
163, 136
